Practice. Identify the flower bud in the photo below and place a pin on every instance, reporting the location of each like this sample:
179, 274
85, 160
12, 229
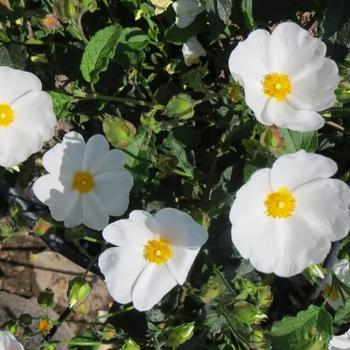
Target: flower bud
46, 298
78, 290
180, 334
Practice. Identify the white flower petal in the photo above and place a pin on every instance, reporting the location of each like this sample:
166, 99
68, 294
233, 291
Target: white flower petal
43, 186
61, 203
292, 48
17, 83
35, 111
192, 49
95, 148
94, 213
136, 230
250, 197
75, 214
152, 284
313, 89
340, 342
256, 100
180, 229
8, 341
26, 134
113, 190
293, 170
283, 115
282, 246
186, 12
325, 203
113, 160
249, 59
121, 268
181, 262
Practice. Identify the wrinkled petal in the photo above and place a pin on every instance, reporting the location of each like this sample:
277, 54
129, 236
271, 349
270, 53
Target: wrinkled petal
283, 115
44, 185
281, 246
249, 59
61, 203
95, 148
250, 197
27, 133
340, 342
75, 215
152, 284
180, 229
121, 268
113, 190
17, 83
9, 342
192, 49
293, 170
256, 100
313, 89
186, 12
325, 203
113, 160
292, 48
95, 215
181, 262
136, 230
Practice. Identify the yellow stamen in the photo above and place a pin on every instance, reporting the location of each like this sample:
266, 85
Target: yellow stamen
157, 251
6, 115
277, 85
280, 204
83, 182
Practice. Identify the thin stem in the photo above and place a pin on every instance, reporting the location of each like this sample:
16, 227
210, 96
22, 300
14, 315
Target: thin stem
336, 126
126, 100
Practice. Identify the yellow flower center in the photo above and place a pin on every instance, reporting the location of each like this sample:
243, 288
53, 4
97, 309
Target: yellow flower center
44, 325
277, 85
157, 251
83, 181
6, 115
280, 204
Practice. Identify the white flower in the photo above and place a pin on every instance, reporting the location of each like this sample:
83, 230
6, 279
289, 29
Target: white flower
284, 218
9, 342
340, 342
86, 182
192, 49
342, 270
26, 116
154, 254
286, 77
186, 11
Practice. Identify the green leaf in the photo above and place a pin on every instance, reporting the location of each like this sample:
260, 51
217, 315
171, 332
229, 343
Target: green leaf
135, 38
141, 154
177, 149
309, 328
247, 9
62, 103
180, 107
342, 315
295, 140
99, 51
5, 59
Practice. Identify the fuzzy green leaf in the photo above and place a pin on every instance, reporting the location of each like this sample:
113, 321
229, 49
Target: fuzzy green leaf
99, 51
295, 140
307, 329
